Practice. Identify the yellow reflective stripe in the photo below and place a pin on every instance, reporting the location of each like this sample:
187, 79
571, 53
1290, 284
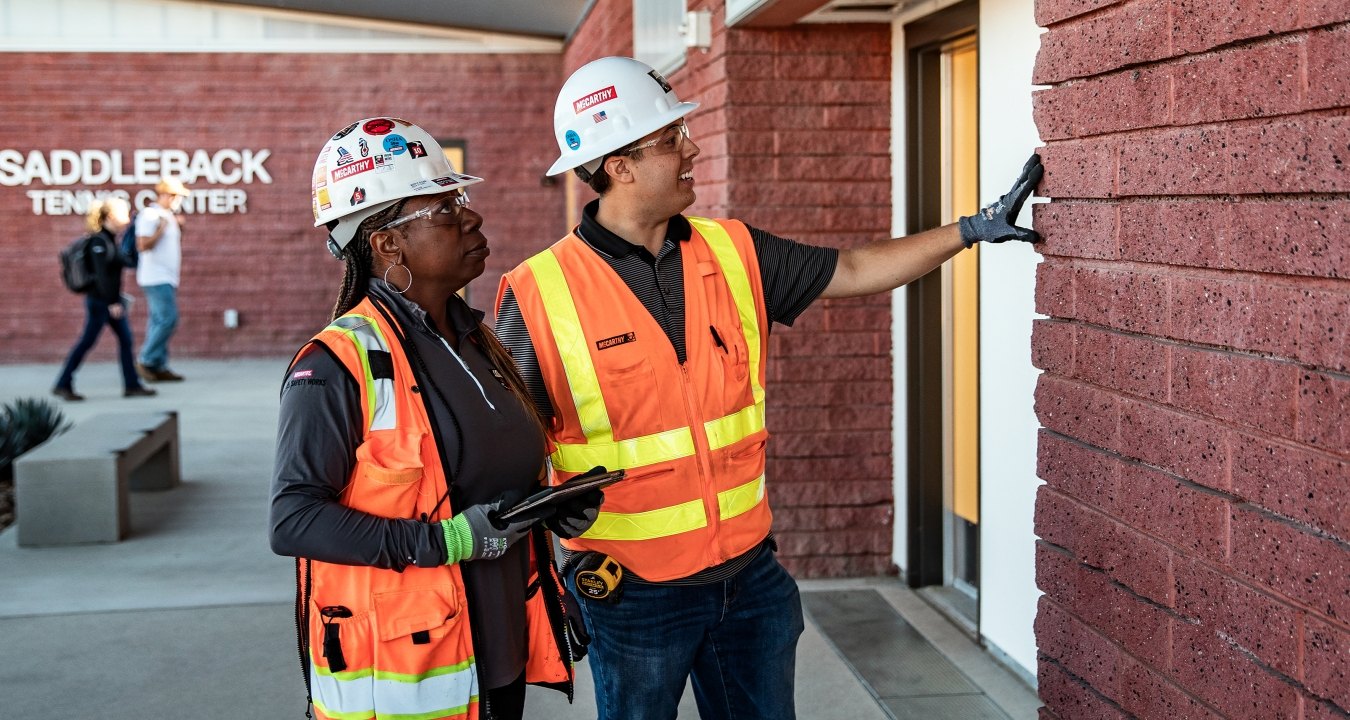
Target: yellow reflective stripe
364, 333
648, 525
730, 429
371, 693
632, 453
572, 347
458, 711
739, 283
742, 499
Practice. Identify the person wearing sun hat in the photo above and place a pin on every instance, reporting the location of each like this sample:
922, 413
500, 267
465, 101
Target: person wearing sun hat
159, 237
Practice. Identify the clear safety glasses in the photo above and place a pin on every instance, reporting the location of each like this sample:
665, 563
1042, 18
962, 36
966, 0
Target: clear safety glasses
449, 211
667, 143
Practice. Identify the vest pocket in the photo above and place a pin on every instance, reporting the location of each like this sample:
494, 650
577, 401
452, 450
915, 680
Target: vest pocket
388, 471
423, 610
352, 689
423, 652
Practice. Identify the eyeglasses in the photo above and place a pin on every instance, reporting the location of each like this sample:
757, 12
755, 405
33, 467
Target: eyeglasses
449, 211
669, 142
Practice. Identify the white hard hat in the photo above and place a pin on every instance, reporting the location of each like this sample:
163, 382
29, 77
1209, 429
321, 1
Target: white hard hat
371, 164
607, 104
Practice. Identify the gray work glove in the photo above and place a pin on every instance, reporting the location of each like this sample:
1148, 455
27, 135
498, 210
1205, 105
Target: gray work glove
477, 533
995, 222
577, 515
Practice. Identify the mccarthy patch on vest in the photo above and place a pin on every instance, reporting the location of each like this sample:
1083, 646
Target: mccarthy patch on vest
610, 342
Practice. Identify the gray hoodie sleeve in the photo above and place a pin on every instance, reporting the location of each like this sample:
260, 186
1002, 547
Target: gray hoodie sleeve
318, 431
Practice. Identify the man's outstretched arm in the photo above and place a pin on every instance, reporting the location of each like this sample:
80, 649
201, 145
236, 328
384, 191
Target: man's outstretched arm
887, 264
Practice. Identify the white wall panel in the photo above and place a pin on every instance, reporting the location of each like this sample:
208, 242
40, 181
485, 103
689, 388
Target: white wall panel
1009, 39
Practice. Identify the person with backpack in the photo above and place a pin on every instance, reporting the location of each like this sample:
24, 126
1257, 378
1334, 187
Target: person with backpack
103, 303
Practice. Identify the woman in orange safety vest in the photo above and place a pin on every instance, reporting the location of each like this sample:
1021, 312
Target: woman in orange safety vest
404, 432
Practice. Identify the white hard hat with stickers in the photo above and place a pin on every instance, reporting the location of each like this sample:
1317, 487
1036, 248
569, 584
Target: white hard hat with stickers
607, 104
371, 164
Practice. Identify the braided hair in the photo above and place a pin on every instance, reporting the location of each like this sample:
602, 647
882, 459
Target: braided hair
357, 256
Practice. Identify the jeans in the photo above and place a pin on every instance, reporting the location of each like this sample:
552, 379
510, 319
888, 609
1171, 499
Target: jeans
163, 301
738, 637
97, 314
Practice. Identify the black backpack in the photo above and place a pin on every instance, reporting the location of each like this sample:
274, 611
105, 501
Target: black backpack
130, 256
77, 269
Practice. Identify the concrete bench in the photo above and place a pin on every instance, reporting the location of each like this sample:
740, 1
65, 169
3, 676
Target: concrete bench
74, 487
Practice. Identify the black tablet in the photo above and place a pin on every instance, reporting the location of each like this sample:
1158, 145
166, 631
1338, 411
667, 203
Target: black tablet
559, 493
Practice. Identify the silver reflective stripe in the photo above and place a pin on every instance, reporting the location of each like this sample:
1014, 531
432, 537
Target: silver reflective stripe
367, 693
366, 335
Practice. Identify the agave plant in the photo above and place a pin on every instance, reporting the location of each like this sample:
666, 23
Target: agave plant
24, 424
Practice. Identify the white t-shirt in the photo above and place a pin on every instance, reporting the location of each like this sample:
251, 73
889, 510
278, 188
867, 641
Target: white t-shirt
159, 264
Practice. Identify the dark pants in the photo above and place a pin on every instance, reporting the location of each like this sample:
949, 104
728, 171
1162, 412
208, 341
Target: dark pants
737, 637
506, 702
97, 314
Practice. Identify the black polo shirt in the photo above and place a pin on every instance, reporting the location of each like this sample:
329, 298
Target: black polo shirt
793, 276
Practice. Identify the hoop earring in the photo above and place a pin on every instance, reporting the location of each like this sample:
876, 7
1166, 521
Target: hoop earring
406, 270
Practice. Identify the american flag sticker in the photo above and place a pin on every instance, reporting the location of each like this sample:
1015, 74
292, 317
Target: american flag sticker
600, 116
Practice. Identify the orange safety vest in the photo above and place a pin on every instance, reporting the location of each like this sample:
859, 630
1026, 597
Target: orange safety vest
408, 645
691, 436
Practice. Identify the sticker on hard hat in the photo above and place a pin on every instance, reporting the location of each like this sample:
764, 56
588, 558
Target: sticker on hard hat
595, 98
323, 199
660, 80
351, 169
378, 126
344, 132
396, 144
344, 157
358, 196
365, 146
384, 162
600, 116
416, 149
573, 139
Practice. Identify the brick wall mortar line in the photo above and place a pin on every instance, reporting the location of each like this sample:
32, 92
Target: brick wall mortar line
1175, 59
1223, 571
1170, 612
1121, 649
1087, 686
1219, 126
1341, 543
1261, 435
1291, 682
1204, 347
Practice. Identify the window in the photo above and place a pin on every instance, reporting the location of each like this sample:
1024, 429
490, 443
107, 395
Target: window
657, 33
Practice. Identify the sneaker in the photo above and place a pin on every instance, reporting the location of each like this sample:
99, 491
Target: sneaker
67, 394
138, 392
146, 373
167, 375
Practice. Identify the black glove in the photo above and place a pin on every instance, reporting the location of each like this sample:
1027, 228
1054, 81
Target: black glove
576, 515
577, 635
995, 222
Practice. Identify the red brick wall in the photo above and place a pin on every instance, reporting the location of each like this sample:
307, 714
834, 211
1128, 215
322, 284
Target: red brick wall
794, 138
270, 263
1195, 548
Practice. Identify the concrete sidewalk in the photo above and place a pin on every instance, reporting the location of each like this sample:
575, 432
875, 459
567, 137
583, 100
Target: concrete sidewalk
191, 615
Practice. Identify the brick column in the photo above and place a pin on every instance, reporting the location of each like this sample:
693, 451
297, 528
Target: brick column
1195, 543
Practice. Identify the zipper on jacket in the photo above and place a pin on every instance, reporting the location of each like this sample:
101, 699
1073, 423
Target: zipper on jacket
705, 470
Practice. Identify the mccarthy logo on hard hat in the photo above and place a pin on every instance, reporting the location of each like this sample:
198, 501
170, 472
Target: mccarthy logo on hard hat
595, 98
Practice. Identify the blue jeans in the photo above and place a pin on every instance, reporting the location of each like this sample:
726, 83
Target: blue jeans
163, 300
97, 314
737, 637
